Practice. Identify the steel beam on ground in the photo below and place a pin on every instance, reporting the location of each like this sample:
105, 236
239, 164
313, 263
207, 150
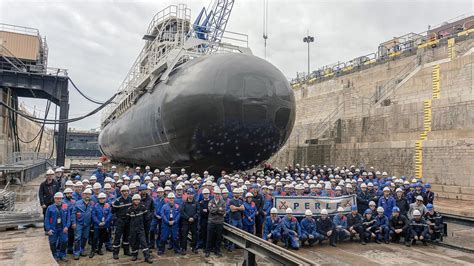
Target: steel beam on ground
254, 245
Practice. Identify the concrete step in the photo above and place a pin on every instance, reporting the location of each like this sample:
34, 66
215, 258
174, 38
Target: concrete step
453, 192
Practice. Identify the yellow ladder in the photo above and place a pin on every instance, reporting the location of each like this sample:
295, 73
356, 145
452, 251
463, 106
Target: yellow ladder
436, 83
451, 48
427, 120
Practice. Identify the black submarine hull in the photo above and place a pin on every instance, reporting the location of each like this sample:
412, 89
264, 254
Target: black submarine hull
217, 112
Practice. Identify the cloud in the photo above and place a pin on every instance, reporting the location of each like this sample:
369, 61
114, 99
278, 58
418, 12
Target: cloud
97, 41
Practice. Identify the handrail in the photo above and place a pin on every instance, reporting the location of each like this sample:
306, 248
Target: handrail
393, 82
254, 245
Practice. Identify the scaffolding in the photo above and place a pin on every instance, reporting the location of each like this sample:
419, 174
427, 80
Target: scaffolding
171, 40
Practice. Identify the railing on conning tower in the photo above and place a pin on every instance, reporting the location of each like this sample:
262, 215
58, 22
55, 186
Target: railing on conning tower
170, 42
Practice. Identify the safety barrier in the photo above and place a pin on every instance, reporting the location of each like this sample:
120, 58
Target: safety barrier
254, 245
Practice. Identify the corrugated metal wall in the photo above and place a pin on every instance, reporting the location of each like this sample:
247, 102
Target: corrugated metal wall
22, 46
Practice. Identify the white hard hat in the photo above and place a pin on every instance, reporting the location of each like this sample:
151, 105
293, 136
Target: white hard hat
179, 187
340, 209
419, 198
93, 177
273, 210
217, 190
248, 195
68, 190
99, 164
168, 183
372, 203
324, 211
102, 196
205, 191
136, 177
416, 213
338, 188
225, 190
155, 178
398, 190
370, 184
58, 170
136, 197
50, 172
308, 213
160, 189
167, 189
87, 191
363, 185
96, 186
69, 183
150, 186
380, 209
107, 186
386, 189
78, 184
132, 185
171, 195
289, 210
147, 178
124, 188
58, 195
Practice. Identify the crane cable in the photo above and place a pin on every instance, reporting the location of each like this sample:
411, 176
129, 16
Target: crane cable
265, 26
83, 95
59, 121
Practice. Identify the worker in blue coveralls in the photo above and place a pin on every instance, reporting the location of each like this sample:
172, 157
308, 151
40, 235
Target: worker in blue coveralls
237, 208
70, 204
387, 202
170, 215
383, 230
291, 230
250, 212
101, 218
81, 221
155, 227
309, 232
272, 227
100, 174
56, 222
340, 225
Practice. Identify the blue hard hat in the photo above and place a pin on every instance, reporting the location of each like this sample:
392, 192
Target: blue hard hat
427, 185
403, 177
353, 208
368, 211
418, 184
389, 178
78, 177
191, 191
376, 184
429, 206
412, 185
254, 185
395, 209
142, 187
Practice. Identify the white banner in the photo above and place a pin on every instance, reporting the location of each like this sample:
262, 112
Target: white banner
299, 204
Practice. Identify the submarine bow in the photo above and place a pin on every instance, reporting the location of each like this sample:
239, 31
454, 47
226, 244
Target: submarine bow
222, 111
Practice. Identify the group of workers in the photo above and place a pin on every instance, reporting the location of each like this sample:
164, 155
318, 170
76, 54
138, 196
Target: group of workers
144, 210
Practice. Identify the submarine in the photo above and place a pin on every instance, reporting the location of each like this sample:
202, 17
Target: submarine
216, 111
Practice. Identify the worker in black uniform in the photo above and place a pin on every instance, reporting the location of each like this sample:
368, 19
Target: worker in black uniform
354, 224
136, 215
189, 219
119, 209
399, 226
46, 192
215, 226
326, 228
259, 216
147, 201
203, 218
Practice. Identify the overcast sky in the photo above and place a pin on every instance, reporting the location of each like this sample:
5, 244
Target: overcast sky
97, 41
